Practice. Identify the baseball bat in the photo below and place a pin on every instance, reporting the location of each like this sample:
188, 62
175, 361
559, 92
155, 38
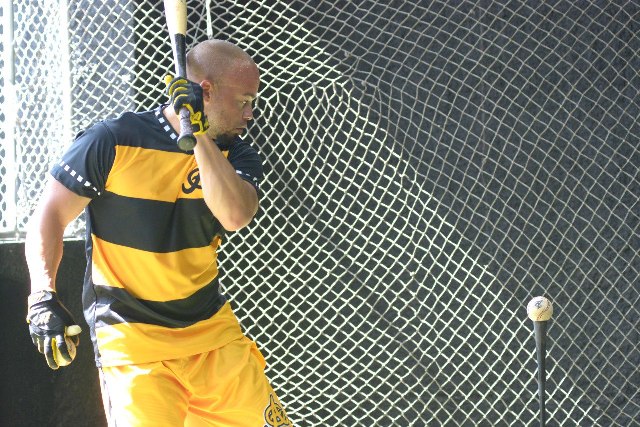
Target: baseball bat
176, 15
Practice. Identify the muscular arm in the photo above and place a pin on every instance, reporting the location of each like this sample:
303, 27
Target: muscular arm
232, 200
43, 246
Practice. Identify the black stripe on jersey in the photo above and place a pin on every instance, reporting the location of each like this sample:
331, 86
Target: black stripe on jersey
116, 305
139, 223
148, 129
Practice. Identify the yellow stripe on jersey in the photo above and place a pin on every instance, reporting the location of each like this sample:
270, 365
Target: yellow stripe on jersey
151, 174
154, 276
162, 174
125, 343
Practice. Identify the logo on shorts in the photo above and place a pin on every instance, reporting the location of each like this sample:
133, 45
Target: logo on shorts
274, 414
193, 180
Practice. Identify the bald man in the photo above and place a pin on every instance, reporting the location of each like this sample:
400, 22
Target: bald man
169, 349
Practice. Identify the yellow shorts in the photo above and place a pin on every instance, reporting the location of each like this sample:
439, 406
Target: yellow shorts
224, 387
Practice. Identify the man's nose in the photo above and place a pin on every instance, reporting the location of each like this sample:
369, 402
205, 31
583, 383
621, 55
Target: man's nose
247, 113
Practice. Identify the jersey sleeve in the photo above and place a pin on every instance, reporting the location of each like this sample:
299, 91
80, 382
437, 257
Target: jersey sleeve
247, 163
85, 165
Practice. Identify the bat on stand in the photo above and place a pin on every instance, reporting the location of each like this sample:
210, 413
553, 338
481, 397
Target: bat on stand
540, 311
176, 15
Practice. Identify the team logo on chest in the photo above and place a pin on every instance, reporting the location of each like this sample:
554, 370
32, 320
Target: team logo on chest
193, 182
274, 414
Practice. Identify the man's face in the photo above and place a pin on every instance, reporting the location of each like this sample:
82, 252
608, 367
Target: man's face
230, 106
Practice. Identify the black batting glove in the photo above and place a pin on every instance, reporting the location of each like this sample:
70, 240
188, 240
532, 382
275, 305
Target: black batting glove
187, 94
52, 328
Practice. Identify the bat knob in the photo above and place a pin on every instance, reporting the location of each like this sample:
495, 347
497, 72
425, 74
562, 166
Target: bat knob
186, 142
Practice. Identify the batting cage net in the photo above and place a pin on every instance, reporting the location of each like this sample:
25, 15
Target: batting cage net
430, 167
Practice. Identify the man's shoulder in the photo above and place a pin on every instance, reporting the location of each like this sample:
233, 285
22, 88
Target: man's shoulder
241, 147
138, 129
130, 121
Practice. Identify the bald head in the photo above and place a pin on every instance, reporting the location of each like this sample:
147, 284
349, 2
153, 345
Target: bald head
215, 60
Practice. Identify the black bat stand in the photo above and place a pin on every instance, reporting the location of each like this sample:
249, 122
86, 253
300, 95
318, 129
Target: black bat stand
540, 330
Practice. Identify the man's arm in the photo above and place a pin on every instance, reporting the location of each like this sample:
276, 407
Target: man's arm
232, 200
51, 326
43, 246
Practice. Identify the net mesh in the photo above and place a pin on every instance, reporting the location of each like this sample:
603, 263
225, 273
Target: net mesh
430, 167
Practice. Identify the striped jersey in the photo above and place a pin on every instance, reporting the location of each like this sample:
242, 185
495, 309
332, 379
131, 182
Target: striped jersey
151, 288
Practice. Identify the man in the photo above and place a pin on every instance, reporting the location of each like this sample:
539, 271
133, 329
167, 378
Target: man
169, 350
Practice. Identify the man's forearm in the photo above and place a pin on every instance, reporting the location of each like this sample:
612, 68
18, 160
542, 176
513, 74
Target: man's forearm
43, 251
231, 199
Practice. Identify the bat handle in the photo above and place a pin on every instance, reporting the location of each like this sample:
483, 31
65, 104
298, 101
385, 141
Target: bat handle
540, 329
186, 140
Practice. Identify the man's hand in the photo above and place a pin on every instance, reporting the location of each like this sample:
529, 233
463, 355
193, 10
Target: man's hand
187, 94
52, 328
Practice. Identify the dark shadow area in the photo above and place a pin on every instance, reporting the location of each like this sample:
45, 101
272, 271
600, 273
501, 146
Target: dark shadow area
32, 394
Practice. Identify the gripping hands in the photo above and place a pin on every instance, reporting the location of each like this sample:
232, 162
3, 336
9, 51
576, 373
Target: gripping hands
52, 328
187, 94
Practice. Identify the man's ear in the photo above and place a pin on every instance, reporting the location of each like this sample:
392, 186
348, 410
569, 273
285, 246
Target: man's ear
206, 90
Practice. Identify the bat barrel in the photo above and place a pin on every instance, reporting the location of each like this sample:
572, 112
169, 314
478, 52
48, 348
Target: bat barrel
176, 13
